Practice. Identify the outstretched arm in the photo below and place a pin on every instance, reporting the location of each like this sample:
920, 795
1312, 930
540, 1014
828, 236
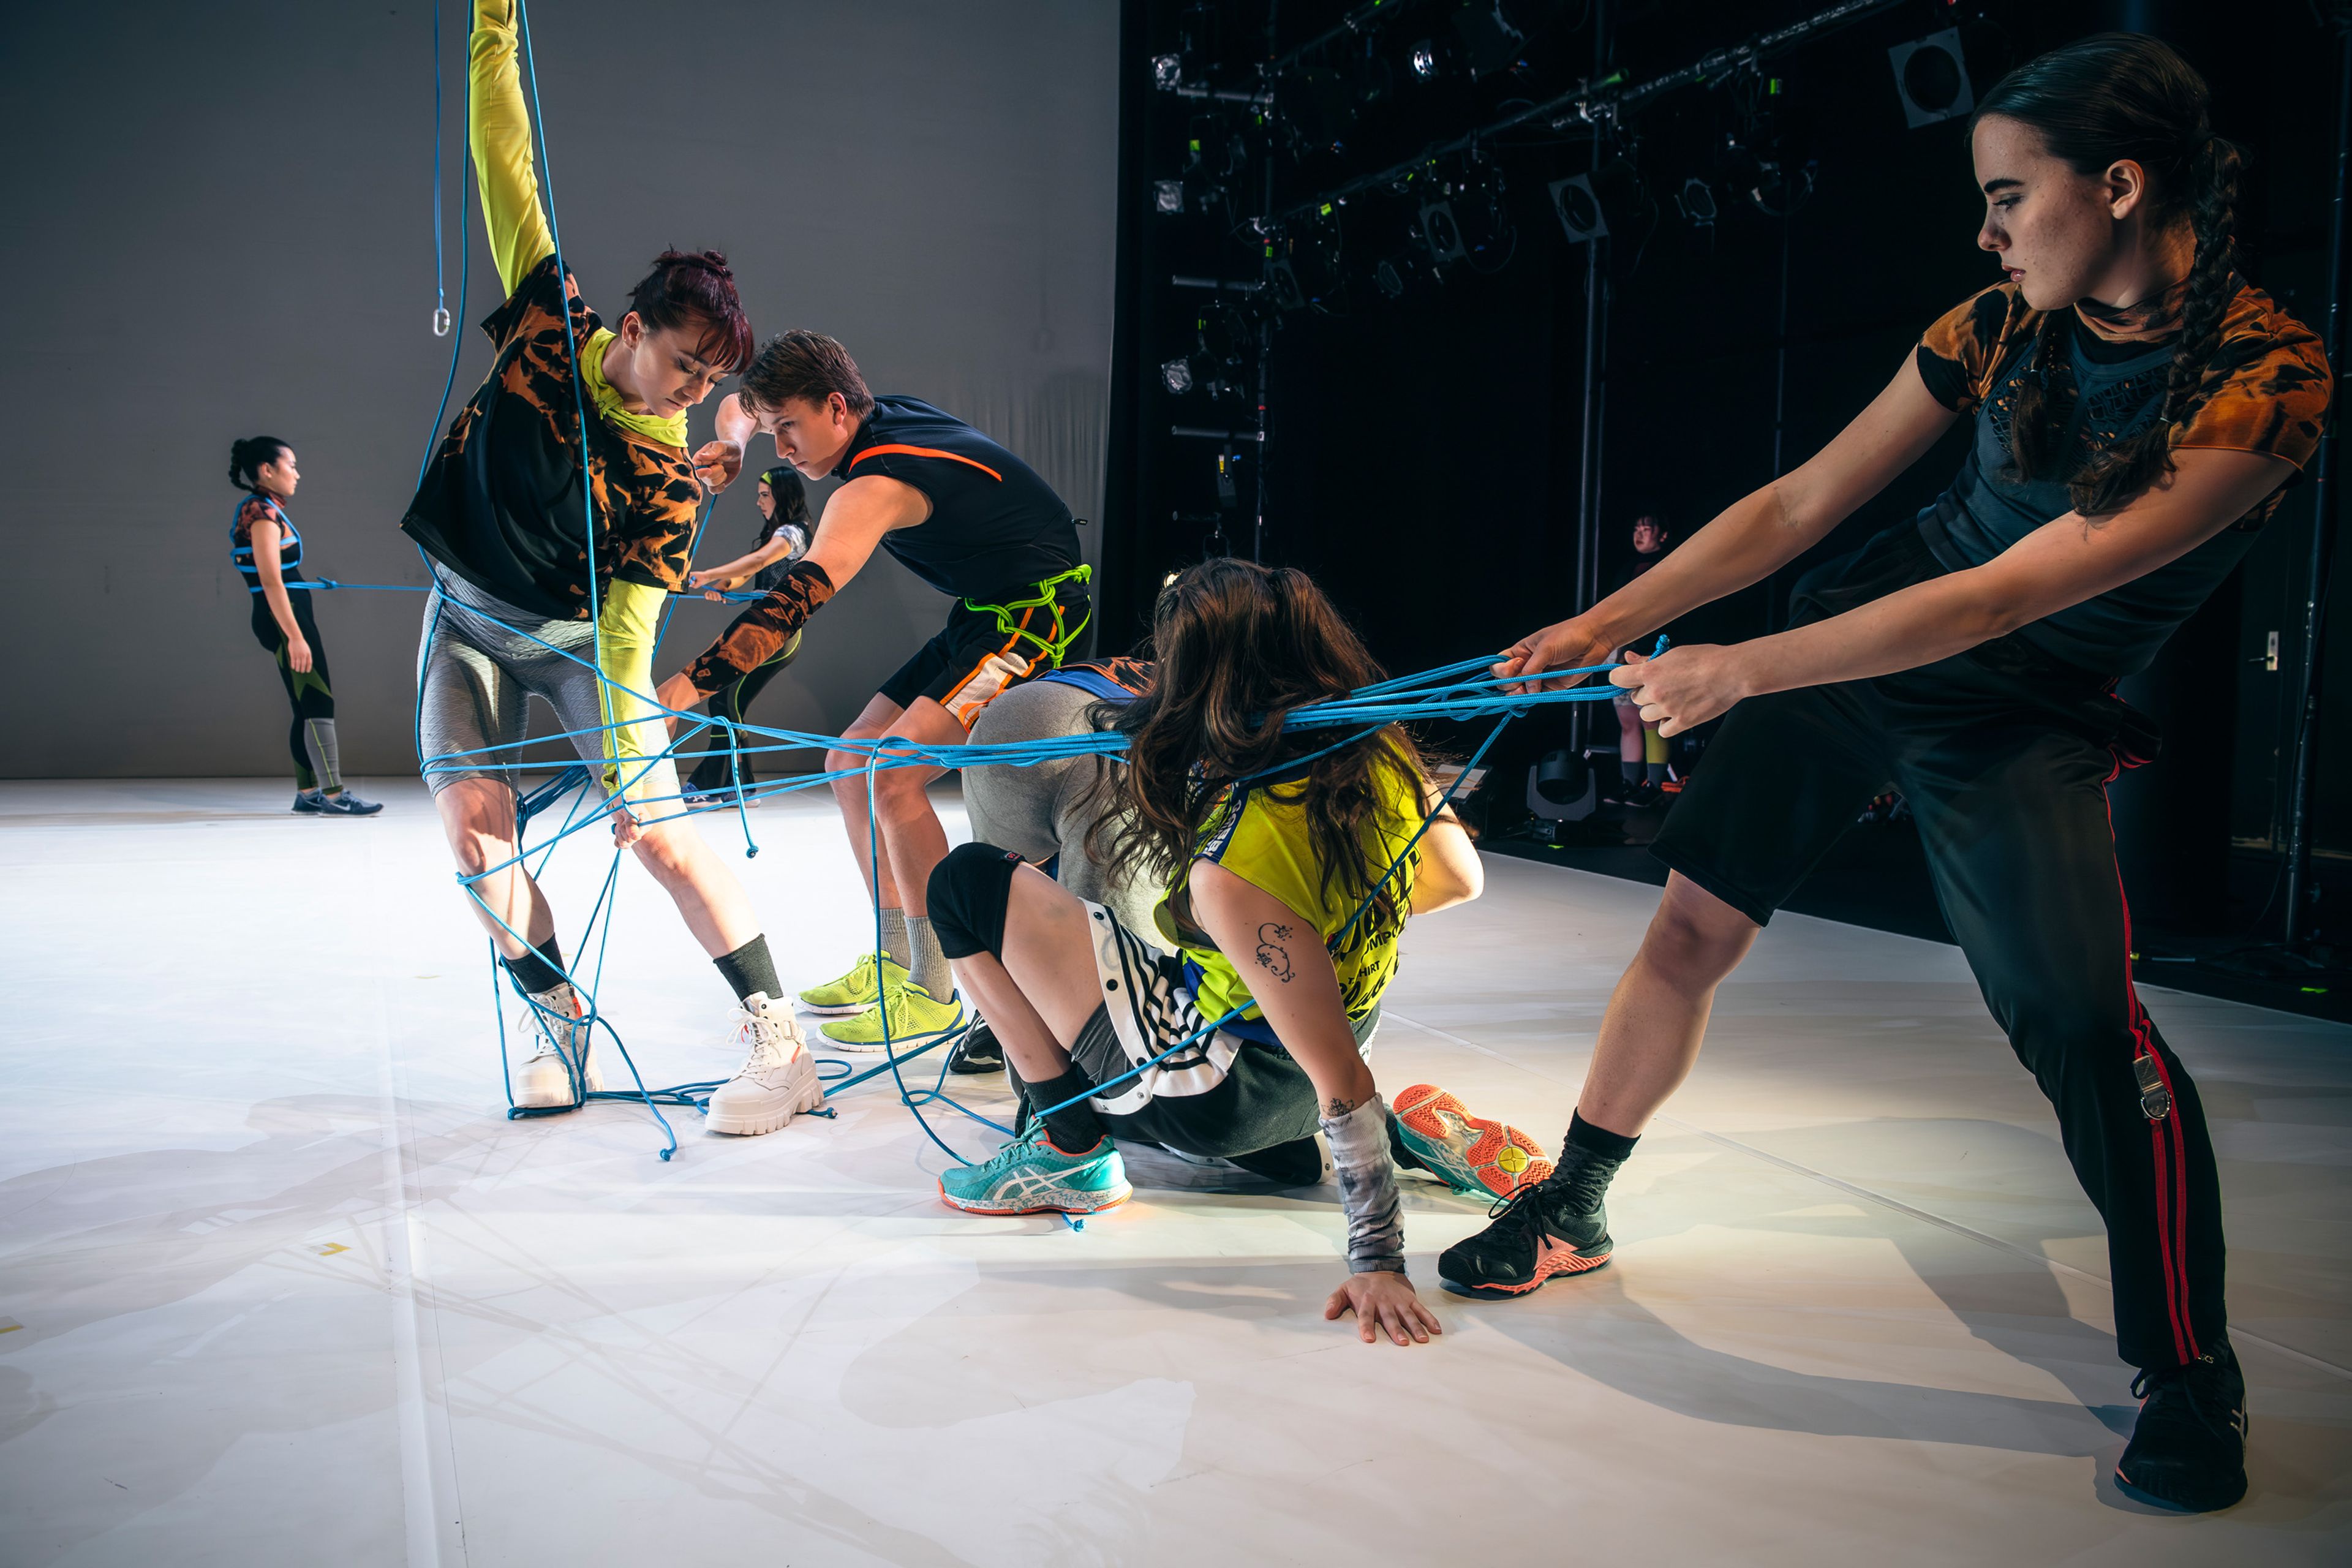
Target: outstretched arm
502, 145
2062, 563
1753, 537
1289, 973
854, 520
780, 544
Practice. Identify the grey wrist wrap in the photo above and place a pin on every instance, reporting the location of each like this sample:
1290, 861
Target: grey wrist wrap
1359, 1156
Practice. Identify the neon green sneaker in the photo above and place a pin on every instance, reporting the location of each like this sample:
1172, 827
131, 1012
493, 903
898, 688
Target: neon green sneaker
854, 991
915, 1020
1030, 1175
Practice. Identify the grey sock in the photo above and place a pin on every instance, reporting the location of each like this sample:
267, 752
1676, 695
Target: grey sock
929, 966
318, 739
894, 936
1656, 773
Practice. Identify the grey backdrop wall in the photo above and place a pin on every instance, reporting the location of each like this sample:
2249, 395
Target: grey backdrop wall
219, 224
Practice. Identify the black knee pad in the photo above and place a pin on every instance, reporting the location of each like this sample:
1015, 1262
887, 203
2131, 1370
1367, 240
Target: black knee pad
967, 896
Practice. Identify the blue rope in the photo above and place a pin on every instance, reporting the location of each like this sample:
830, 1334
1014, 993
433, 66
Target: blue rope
1462, 690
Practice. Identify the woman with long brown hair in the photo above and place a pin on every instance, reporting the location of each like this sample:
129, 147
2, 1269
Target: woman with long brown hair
2138, 408
1289, 865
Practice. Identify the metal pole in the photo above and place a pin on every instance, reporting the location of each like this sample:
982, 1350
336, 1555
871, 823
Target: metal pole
2323, 529
1587, 459
1773, 613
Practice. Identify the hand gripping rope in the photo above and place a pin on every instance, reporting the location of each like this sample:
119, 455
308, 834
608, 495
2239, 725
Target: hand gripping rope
1463, 691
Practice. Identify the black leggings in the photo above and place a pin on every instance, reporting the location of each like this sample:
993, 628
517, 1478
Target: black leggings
311, 693
729, 702
2005, 759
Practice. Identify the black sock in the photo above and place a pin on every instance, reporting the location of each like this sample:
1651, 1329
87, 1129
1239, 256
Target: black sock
1075, 1128
750, 971
1600, 1141
540, 969
1589, 1158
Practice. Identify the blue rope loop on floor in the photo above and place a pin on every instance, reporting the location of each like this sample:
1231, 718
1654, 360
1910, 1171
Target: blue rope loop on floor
1465, 690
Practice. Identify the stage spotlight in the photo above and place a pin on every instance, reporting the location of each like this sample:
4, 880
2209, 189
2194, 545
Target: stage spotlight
1488, 39
1168, 195
1177, 376
1440, 233
1578, 207
1932, 77
1424, 60
1166, 72
1697, 203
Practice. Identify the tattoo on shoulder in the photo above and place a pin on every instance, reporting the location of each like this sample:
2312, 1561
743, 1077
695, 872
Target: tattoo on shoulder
1271, 956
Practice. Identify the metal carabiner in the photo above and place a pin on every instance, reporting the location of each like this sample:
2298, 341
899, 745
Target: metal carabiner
440, 321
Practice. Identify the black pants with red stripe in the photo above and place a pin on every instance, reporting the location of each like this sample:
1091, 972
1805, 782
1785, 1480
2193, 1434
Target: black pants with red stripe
2004, 756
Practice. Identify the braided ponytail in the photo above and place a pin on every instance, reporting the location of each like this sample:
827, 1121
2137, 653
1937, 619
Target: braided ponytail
2112, 97
2114, 477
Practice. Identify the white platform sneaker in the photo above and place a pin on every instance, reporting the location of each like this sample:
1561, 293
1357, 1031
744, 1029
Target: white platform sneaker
544, 1079
777, 1080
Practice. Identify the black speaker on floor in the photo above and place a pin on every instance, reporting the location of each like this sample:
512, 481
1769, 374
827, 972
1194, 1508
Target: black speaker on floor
1561, 787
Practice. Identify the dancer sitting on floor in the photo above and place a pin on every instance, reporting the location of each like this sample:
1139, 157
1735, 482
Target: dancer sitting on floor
267, 554
1043, 812
970, 519
523, 609
784, 539
1277, 898
2137, 409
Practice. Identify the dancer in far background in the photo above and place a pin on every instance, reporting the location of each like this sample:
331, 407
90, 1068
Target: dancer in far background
784, 539
268, 556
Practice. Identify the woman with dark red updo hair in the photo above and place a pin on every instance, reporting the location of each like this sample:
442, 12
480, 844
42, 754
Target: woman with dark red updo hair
575, 419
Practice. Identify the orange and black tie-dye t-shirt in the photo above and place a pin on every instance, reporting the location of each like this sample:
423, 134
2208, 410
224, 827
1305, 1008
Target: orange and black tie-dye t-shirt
2268, 391
500, 502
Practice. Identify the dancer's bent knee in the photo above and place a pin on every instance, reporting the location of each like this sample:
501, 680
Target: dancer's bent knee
968, 894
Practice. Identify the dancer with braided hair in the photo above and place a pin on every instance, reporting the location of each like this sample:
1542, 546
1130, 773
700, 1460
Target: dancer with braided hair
2138, 408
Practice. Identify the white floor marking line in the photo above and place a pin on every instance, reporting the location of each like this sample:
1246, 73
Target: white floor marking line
433, 1514
1871, 1196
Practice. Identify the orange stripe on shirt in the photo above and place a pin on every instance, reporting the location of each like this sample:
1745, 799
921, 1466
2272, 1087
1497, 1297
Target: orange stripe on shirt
926, 452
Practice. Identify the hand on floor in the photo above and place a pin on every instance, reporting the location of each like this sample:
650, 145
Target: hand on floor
1383, 1301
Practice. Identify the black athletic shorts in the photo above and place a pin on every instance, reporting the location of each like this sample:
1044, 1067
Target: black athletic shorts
979, 655
1971, 740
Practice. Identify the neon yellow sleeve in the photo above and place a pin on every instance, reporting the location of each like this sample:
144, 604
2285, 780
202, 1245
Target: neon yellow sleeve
501, 143
627, 626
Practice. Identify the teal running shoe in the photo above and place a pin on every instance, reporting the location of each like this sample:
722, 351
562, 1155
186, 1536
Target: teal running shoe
1030, 1176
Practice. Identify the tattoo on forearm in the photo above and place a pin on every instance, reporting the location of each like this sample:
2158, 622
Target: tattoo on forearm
1271, 956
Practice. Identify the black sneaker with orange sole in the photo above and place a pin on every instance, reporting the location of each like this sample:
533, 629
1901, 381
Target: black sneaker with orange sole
1534, 1238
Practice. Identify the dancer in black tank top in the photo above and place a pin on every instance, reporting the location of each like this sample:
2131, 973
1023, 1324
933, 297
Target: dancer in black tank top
2138, 408
970, 519
266, 550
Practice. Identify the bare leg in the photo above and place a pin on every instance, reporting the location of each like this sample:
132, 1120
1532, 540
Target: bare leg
1657, 1015
880, 718
709, 896
479, 817
1041, 994
913, 841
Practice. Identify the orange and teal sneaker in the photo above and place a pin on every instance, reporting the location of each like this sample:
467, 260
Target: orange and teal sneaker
1475, 1157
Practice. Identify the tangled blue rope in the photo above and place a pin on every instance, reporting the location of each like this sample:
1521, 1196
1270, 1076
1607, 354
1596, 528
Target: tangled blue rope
1461, 692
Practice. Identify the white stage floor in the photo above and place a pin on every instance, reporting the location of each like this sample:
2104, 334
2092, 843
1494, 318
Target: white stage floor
280, 1284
